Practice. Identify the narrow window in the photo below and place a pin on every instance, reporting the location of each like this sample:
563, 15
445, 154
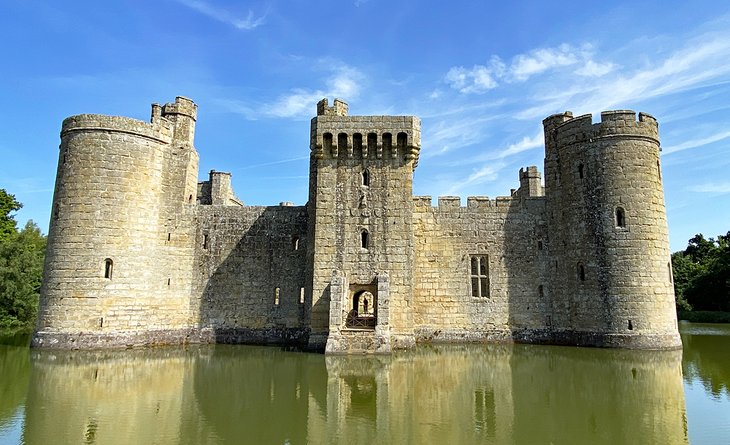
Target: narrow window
539, 244
631, 326
295, 242
659, 169
402, 140
620, 217
301, 295
205, 241
540, 291
101, 322
365, 178
190, 198
479, 269
580, 171
108, 268
168, 236
364, 239
581, 272
168, 281
388, 144
276, 296
372, 143
55, 213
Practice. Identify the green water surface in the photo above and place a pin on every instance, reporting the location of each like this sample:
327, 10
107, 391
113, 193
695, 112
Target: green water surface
455, 394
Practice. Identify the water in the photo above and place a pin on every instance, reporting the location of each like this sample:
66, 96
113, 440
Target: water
456, 394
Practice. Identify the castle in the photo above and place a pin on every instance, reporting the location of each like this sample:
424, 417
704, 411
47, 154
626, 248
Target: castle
139, 252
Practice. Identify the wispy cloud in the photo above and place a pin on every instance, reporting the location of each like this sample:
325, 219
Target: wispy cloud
694, 143
710, 187
251, 21
485, 173
482, 78
282, 161
343, 81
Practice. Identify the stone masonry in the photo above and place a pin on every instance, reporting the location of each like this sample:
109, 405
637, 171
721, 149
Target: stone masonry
141, 253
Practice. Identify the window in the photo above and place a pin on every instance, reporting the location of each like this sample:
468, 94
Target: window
539, 244
276, 296
631, 326
620, 217
365, 178
540, 291
108, 268
480, 276
205, 241
301, 295
580, 171
295, 242
581, 270
364, 239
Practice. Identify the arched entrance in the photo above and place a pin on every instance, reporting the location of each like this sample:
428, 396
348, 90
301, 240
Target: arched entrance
363, 310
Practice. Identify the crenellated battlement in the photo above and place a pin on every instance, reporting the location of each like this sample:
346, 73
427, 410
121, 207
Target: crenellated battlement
617, 123
450, 203
337, 135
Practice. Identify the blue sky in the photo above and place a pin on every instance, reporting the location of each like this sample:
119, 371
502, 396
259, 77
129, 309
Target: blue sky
481, 75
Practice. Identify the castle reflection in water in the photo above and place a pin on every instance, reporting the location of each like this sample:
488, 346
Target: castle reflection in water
456, 394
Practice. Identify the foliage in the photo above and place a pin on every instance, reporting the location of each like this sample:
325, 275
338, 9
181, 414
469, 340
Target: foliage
702, 274
8, 204
21, 267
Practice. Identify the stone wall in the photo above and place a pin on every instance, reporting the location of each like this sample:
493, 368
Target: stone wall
507, 233
248, 284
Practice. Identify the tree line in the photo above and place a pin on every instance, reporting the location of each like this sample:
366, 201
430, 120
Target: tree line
21, 267
702, 274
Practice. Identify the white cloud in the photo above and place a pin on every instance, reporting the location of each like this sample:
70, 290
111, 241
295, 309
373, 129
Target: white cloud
249, 22
694, 143
344, 82
481, 78
486, 173
526, 143
595, 69
537, 61
709, 187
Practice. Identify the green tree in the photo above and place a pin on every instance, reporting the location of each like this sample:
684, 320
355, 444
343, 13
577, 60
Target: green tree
21, 271
702, 274
8, 204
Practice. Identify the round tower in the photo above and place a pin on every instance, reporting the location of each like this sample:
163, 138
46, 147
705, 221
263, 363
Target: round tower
612, 282
102, 281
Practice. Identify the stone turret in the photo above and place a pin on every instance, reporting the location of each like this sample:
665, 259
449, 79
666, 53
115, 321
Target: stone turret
607, 224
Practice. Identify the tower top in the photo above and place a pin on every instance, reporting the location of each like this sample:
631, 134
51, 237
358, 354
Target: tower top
338, 108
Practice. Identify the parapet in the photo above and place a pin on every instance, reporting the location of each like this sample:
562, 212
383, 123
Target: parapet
336, 134
217, 190
160, 131
617, 123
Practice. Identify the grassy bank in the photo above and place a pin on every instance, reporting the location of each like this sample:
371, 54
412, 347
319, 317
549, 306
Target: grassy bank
704, 316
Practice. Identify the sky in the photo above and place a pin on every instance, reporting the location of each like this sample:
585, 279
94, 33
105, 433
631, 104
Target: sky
481, 76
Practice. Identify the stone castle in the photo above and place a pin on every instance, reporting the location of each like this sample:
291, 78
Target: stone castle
140, 252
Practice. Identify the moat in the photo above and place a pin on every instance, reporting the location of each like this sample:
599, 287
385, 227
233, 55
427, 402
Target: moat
456, 394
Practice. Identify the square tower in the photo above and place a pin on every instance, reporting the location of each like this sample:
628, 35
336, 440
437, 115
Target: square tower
361, 234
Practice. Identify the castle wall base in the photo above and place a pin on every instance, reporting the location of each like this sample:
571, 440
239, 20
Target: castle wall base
126, 339
603, 340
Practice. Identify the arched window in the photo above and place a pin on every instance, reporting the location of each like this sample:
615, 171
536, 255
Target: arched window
580, 171
108, 268
620, 217
581, 271
365, 178
364, 239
